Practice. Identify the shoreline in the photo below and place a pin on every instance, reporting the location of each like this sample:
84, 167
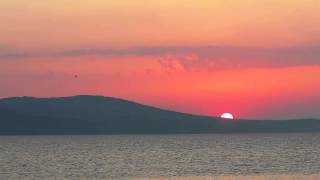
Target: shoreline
239, 177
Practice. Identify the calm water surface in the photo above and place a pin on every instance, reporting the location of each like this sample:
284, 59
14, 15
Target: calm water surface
160, 156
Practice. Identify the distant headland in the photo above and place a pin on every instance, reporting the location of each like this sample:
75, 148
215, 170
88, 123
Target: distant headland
106, 115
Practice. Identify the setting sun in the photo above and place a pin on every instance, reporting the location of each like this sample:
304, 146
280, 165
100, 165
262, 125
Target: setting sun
227, 116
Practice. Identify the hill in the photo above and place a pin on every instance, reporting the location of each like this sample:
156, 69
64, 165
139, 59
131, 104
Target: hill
106, 115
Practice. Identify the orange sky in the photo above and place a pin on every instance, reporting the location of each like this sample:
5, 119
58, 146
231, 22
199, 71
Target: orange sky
253, 58
94, 23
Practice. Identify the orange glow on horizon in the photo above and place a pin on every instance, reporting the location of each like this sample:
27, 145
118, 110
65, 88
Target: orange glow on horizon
245, 91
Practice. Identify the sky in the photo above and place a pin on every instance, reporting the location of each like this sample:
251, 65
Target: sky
256, 59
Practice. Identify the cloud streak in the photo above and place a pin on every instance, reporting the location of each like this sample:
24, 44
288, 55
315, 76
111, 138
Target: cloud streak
193, 58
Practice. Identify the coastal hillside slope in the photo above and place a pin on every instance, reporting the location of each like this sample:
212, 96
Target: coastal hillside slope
107, 115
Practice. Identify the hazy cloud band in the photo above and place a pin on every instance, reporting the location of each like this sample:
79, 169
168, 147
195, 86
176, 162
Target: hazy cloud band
194, 57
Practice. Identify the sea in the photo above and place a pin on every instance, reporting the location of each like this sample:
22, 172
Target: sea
161, 157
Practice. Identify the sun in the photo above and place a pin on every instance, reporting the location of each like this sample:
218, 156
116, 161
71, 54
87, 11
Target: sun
227, 116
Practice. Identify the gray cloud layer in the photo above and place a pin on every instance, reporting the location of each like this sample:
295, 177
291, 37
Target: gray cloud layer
195, 57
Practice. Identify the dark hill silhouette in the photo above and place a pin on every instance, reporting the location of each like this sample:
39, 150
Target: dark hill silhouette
106, 115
